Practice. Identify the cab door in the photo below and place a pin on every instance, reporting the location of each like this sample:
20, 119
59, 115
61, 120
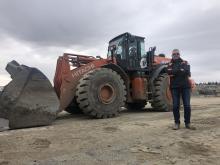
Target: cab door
133, 54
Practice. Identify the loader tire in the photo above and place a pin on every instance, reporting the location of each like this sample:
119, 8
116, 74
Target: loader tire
162, 99
73, 108
101, 93
135, 106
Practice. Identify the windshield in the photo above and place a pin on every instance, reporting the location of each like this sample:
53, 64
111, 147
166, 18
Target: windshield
119, 48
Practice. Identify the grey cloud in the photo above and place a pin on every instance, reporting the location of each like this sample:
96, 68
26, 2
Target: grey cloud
71, 22
196, 30
63, 22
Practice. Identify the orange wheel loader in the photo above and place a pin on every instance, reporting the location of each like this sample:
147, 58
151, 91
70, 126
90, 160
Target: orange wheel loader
128, 77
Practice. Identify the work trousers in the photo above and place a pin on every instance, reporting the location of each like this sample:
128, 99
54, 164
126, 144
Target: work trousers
177, 93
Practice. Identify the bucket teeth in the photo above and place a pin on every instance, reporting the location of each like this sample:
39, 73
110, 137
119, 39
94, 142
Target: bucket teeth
29, 99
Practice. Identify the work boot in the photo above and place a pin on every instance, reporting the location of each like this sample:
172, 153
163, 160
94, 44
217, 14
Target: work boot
189, 126
176, 126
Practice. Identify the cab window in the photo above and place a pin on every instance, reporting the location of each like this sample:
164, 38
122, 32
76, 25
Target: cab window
119, 48
141, 48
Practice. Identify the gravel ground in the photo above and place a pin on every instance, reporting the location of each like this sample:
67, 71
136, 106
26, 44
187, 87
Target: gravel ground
134, 138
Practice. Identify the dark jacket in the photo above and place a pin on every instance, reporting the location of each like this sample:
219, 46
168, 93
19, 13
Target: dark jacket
179, 71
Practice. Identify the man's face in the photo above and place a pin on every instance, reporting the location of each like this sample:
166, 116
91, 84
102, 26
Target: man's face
175, 55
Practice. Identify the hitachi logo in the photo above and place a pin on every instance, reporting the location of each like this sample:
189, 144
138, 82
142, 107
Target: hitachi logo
83, 70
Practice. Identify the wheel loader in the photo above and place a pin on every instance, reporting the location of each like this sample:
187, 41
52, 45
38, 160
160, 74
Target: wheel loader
129, 77
99, 87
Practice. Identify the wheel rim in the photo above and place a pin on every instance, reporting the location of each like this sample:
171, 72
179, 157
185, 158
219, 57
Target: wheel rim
106, 94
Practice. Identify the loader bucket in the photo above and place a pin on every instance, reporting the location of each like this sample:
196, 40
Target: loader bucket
29, 99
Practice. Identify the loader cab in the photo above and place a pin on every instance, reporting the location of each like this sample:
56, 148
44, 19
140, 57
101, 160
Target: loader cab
128, 51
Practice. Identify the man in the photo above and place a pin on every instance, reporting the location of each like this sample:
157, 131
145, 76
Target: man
179, 71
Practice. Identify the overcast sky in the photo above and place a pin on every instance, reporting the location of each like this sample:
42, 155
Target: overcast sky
36, 32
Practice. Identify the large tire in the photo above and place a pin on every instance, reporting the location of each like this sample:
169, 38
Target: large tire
162, 99
135, 106
73, 108
101, 93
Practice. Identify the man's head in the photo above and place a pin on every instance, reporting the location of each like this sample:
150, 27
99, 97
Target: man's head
175, 54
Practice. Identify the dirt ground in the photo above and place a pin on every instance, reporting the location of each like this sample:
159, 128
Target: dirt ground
133, 138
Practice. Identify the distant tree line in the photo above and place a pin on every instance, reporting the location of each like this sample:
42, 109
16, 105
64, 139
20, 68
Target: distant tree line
208, 83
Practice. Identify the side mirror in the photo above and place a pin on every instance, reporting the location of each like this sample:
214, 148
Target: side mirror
152, 49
